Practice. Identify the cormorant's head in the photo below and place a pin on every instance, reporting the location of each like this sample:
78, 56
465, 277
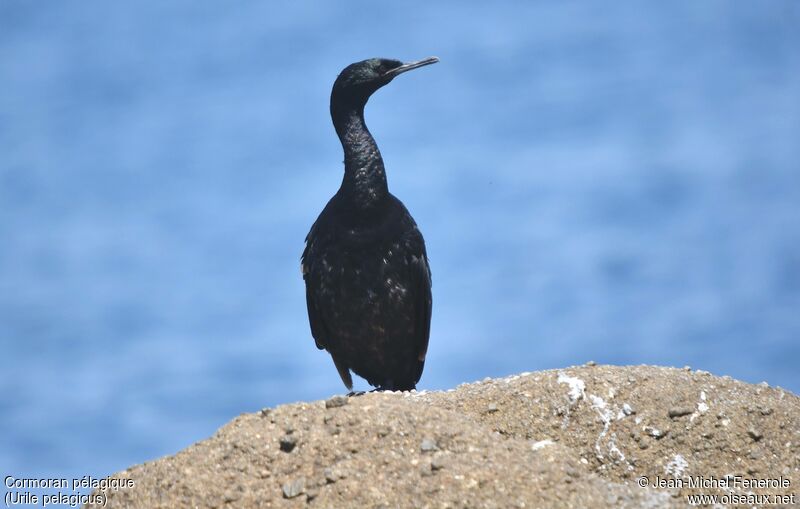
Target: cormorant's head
360, 80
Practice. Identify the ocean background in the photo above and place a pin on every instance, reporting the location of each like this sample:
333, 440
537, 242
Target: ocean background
616, 181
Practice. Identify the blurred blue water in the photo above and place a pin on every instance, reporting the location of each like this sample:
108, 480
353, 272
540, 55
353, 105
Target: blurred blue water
616, 182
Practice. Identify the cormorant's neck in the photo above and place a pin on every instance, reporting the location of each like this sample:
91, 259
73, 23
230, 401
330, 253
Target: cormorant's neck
364, 183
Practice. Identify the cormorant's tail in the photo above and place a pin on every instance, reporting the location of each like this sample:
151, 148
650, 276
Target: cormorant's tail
418, 374
344, 372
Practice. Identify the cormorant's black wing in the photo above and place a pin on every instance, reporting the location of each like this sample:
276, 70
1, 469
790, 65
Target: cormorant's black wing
421, 274
318, 329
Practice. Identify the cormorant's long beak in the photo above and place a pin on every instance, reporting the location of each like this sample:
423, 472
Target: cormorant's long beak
411, 65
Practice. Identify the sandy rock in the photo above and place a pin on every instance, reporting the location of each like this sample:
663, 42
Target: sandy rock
336, 402
575, 437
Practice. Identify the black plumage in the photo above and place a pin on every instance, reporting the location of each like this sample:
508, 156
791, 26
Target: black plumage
368, 283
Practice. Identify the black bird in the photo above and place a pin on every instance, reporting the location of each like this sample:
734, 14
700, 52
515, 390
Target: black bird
368, 283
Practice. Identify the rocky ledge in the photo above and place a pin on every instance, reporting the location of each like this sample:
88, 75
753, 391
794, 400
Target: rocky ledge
576, 437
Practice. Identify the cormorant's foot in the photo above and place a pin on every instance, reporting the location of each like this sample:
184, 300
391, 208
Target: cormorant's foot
354, 393
391, 389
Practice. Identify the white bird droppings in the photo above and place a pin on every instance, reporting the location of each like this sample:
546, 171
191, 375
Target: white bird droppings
576, 386
677, 466
541, 444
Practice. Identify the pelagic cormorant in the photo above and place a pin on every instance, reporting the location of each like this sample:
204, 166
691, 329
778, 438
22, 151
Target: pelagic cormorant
368, 283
